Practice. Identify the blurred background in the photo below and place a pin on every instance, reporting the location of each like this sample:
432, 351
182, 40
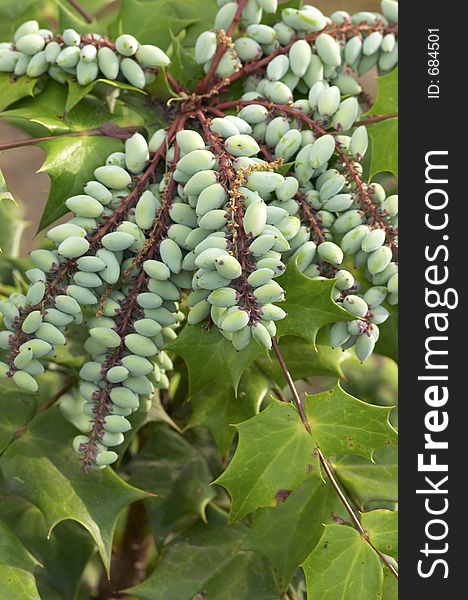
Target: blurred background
20, 166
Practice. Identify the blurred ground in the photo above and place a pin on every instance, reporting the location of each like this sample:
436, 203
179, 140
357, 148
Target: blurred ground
31, 188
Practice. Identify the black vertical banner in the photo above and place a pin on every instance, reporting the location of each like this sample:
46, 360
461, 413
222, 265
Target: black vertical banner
433, 326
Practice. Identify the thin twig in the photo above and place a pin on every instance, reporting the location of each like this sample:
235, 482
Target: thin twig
292, 387
375, 119
222, 47
323, 461
80, 9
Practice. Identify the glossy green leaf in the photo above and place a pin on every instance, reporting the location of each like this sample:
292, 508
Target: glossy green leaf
206, 561
288, 533
173, 469
219, 407
70, 18
367, 481
309, 305
386, 101
382, 528
343, 565
12, 551
77, 92
374, 381
210, 356
18, 584
303, 360
63, 554
223, 391
42, 467
13, 90
16, 408
155, 21
275, 454
384, 134
81, 155
342, 424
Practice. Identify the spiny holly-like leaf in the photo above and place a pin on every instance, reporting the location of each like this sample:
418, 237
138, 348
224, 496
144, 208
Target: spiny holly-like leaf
13, 90
288, 533
309, 305
81, 155
177, 473
64, 554
12, 551
219, 407
275, 455
49, 111
155, 21
16, 408
18, 584
342, 424
387, 95
384, 134
382, 528
215, 370
42, 467
304, 360
210, 357
343, 565
370, 481
207, 562
46, 110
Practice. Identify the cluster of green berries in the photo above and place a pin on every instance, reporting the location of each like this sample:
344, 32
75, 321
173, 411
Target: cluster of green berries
201, 213
36, 51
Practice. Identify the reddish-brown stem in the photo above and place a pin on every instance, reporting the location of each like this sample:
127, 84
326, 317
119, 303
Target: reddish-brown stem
376, 119
125, 132
367, 205
125, 317
130, 561
175, 85
222, 47
80, 9
325, 464
313, 223
292, 387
